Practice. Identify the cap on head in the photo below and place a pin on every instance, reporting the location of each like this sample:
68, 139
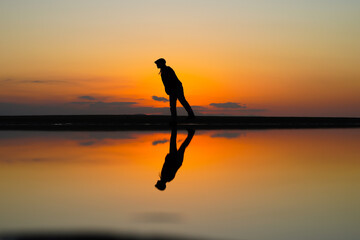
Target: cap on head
160, 61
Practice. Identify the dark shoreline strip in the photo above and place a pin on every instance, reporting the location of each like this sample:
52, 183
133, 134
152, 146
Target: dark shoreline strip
159, 122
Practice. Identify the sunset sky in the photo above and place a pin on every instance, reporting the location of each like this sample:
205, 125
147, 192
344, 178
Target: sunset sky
267, 58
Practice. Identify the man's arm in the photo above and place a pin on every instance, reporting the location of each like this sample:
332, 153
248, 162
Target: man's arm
166, 79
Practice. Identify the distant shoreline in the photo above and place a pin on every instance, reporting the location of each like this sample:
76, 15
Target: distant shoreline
161, 122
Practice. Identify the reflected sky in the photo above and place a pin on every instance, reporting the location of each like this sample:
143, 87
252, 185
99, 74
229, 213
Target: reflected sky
273, 184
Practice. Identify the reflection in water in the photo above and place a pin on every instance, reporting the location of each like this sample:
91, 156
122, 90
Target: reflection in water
174, 158
254, 184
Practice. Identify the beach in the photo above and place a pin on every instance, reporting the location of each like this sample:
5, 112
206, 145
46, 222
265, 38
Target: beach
159, 122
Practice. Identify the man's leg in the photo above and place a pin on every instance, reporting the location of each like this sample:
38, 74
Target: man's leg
173, 142
185, 104
184, 145
187, 141
173, 99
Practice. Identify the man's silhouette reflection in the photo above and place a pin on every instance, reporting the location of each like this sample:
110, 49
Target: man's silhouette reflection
173, 159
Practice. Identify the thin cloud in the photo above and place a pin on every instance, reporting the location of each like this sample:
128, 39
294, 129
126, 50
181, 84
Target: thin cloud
154, 143
91, 98
105, 104
87, 143
43, 81
15, 81
160, 99
6, 80
228, 135
227, 105
253, 110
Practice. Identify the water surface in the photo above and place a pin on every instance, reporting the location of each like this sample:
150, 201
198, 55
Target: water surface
255, 185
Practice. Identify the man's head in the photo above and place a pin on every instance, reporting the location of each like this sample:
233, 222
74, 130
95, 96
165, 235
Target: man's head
160, 185
160, 63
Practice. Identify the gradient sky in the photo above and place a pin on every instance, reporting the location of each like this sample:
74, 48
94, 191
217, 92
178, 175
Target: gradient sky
282, 58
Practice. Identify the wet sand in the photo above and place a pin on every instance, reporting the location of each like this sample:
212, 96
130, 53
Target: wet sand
159, 122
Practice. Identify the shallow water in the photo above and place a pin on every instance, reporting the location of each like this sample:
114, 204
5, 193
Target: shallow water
255, 185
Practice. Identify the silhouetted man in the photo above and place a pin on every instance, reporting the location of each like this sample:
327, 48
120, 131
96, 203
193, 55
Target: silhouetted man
173, 159
173, 88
